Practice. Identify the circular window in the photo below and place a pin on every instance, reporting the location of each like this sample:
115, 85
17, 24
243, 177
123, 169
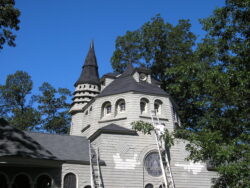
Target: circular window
143, 77
152, 164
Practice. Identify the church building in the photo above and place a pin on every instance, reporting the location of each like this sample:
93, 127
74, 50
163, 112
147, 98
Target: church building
102, 150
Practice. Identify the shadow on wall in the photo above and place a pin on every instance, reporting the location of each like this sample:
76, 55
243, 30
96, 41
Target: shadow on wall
14, 142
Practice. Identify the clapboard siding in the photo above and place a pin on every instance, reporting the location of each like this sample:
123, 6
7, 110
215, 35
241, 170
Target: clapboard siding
124, 154
82, 173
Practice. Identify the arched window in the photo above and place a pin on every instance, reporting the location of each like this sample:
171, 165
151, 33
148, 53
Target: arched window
162, 186
144, 105
120, 106
149, 185
3, 181
157, 106
88, 186
44, 181
69, 181
21, 181
106, 109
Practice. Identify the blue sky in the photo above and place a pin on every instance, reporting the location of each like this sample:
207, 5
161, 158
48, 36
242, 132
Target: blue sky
54, 35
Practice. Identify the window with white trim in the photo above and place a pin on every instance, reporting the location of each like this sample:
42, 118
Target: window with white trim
106, 109
120, 106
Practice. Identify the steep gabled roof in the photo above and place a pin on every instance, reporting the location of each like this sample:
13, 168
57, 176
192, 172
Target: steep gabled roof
89, 73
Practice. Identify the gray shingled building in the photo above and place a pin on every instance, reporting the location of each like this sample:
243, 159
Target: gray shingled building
101, 141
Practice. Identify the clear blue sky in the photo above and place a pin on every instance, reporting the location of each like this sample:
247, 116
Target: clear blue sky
54, 35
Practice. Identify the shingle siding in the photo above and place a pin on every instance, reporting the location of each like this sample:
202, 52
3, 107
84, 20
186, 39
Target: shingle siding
124, 154
82, 173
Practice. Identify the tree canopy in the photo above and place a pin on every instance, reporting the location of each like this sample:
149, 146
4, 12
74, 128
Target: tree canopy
156, 44
9, 22
209, 81
47, 111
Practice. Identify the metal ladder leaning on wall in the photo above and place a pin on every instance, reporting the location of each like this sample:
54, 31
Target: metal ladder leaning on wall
164, 161
95, 171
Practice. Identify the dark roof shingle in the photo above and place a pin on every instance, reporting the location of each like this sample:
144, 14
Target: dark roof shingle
125, 83
14, 142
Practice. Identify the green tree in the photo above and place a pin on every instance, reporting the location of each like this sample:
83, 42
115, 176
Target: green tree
222, 132
157, 45
53, 106
13, 101
213, 95
9, 21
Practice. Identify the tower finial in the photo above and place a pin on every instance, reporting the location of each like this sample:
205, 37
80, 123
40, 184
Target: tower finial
92, 44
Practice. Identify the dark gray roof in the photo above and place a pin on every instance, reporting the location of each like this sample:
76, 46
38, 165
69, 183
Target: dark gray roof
111, 75
14, 142
89, 73
125, 83
64, 147
113, 129
128, 71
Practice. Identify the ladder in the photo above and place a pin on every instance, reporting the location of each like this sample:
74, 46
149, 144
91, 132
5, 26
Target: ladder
164, 161
95, 171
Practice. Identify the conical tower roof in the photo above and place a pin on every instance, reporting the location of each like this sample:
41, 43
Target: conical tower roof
89, 73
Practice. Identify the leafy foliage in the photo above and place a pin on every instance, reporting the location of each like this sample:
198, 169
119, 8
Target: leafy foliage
9, 20
54, 108
222, 131
157, 45
147, 128
47, 111
13, 96
210, 85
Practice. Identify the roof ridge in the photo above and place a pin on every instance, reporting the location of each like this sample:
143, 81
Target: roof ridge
54, 134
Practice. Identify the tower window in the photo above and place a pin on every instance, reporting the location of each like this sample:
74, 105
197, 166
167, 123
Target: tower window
120, 106
106, 109
144, 105
157, 106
